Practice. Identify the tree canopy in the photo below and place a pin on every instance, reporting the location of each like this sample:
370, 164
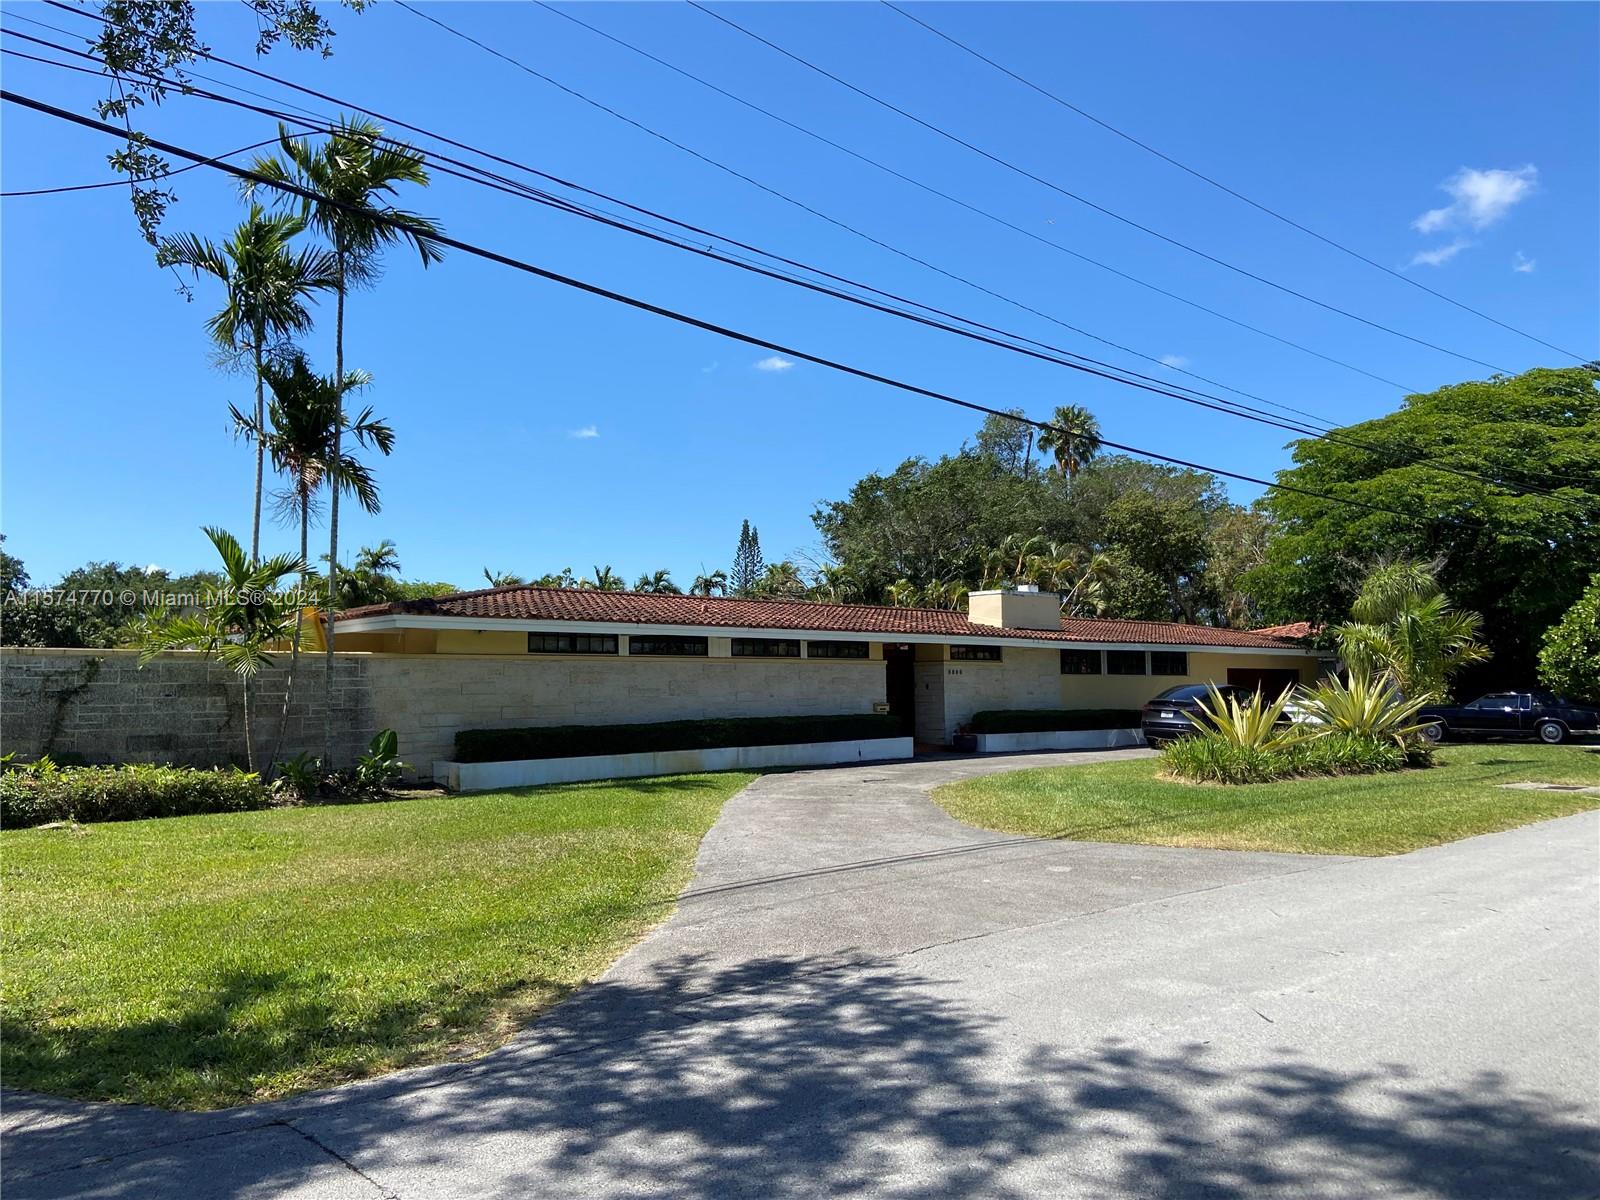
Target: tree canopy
1519, 557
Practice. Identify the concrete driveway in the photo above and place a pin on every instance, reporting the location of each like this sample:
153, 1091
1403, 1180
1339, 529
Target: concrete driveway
859, 995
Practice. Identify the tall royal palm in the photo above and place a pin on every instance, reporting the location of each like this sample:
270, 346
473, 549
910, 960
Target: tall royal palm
351, 174
267, 285
1074, 439
298, 437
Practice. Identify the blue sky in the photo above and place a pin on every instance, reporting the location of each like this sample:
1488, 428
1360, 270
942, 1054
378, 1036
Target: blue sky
538, 428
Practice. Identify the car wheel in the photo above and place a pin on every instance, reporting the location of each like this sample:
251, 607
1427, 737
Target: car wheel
1552, 733
1434, 733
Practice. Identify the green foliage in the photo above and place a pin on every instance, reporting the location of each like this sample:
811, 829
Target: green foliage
1210, 758
128, 793
1052, 720
1406, 633
1073, 440
1257, 724
1521, 560
379, 769
1569, 660
747, 562
714, 584
299, 779
237, 623
780, 580
1122, 538
1365, 707
658, 583
574, 741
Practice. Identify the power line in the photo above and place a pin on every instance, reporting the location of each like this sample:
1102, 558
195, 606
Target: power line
1074, 196
1220, 186
800, 204
872, 162
681, 317
788, 199
111, 183
190, 90
498, 182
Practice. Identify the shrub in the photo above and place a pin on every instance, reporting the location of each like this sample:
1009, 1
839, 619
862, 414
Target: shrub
564, 741
1210, 758
1258, 724
1053, 720
126, 793
1569, 661
1366, 707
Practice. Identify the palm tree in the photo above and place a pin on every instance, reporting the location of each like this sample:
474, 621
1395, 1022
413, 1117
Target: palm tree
267, 286
1404, 630
605, 580
298, 437
779, 579
1007, 562
714, 584
835, 584
659, 583
351, 174
1073, 437
498, 579
238, 624
370, 579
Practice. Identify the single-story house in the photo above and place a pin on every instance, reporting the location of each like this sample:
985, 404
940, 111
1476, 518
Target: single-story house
593, 657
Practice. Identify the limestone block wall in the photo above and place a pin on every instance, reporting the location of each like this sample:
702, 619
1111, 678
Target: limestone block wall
178, 708
101, 705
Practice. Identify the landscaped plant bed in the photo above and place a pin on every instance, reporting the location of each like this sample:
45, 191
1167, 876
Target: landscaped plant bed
1004, 730
498, 758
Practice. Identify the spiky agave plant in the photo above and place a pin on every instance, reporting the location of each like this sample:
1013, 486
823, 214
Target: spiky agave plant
1257, 724
1367, 706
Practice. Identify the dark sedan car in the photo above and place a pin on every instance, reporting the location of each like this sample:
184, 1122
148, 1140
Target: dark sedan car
1550, 718
1166, 718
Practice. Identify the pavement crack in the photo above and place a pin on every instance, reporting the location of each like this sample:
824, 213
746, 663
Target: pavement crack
386, 1193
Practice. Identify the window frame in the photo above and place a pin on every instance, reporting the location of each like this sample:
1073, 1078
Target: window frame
967, 652
1098, 656
574, 639
834, 647
687, 645
1127, 656
1181, 655
767, 644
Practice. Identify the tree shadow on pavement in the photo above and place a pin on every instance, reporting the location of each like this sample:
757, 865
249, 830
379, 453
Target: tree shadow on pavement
785, 1077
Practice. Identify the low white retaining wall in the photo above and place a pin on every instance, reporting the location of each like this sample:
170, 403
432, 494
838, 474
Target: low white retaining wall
1066, 739
524, 772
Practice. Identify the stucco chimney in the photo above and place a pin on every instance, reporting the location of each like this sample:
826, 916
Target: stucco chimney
1015, 608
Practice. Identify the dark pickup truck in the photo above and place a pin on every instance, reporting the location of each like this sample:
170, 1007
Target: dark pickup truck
1550, 718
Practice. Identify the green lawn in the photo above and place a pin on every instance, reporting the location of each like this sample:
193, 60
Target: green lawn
1365, 814
205, 961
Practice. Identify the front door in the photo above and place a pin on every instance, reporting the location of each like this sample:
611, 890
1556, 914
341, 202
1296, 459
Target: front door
900, 685
1271, 684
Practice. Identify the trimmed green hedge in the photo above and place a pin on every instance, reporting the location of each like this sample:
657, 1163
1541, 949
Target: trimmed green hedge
575, 741
1053, 720
126, 793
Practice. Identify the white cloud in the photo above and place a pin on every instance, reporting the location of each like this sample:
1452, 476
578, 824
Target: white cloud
1523, 265
1479, 198
774, 363
709, 367
1175, 361
151, 568
588, 431
1439, 255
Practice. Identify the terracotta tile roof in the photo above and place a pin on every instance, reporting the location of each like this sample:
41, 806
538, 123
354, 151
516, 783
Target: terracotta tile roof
1295, 629
640, 608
